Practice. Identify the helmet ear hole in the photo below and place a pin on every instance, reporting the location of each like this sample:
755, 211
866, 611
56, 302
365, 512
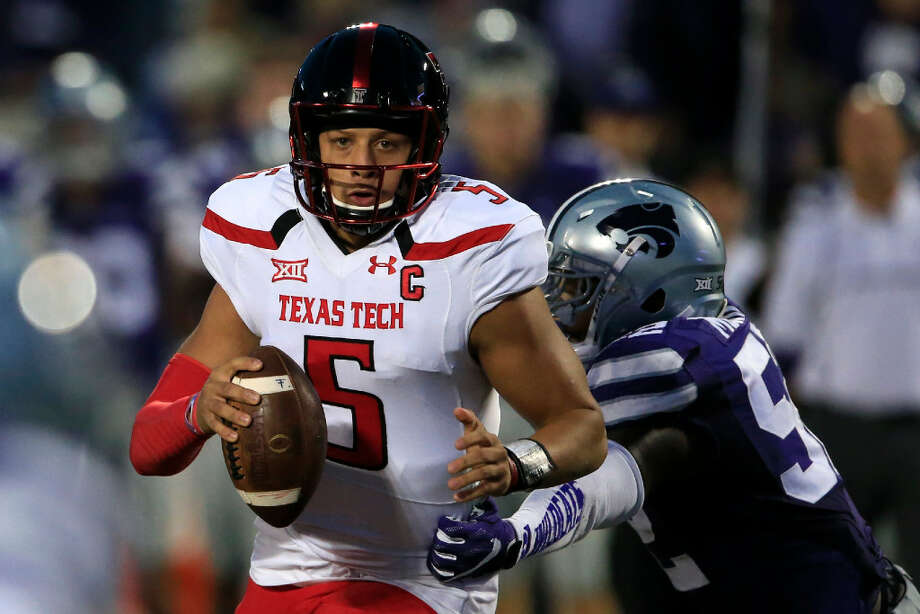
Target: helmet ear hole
655, 302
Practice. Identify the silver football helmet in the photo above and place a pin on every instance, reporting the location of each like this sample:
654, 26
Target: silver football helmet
628, 252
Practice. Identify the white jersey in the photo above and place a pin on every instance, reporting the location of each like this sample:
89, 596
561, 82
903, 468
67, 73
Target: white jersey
383, 334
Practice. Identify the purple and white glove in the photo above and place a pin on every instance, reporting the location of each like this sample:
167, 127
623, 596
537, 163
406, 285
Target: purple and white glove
478, 545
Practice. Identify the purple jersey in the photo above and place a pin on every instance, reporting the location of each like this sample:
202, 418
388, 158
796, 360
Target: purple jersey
769, 502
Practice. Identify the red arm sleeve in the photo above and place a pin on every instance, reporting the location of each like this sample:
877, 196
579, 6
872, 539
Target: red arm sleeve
161, 443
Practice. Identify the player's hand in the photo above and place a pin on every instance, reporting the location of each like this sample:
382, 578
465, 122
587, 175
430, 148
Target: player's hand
481, 544
213, 412
483, 470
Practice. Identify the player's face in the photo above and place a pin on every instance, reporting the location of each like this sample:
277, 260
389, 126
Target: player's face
367, 147
576, 330
870, 136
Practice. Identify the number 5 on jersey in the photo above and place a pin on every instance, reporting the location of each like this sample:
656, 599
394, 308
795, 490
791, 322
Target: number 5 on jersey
811, 475
368, 449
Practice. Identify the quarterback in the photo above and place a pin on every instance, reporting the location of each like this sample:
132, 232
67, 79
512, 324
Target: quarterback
408, 296
708, 460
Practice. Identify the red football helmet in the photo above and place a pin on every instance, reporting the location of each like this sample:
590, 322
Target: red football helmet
368, 76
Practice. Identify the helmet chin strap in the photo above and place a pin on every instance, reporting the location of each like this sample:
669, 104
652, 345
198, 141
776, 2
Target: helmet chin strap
344, 205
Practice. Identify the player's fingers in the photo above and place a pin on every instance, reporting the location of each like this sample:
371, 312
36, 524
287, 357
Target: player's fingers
468, 418
478, 437
458, 465
224, 429
226, 414
477, 456
481, 473
226, 371
469, 494
463, 481
480, 488
235, 392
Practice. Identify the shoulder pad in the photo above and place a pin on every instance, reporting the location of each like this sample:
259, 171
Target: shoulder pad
706, 329
255, 208
643, 374
466, 213
646, 338
478, 202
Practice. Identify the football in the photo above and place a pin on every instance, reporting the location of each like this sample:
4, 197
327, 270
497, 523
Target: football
277, 460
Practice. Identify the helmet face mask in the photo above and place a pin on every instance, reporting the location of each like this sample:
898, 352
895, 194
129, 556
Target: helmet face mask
631, 252
369, 76
572, 288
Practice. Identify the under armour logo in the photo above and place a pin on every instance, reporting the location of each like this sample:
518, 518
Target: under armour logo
290, 269
703, 284
389, 265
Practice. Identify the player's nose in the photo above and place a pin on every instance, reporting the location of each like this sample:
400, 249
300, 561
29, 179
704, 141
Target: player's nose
364, 156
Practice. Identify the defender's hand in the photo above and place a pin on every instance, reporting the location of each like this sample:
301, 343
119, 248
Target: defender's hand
482, 544
213, 412
484, 469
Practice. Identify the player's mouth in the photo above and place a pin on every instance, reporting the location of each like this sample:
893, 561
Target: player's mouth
363, 196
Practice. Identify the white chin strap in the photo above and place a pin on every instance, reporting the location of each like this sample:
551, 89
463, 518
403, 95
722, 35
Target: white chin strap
344, 205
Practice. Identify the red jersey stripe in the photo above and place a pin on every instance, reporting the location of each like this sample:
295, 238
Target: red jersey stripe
239, 234
361, 75
436, 251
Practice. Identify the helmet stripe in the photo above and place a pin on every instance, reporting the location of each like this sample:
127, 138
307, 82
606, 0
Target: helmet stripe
361, 74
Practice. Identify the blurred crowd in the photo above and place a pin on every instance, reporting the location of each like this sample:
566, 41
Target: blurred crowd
794, 121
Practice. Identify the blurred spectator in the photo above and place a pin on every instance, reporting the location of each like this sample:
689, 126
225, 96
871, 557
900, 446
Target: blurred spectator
506, 88
98, 203
120, 31
588, 35
64, 522
829, 37
843, 306
23, 186
690, 51
892, 41
62, 528
198, 81
194, 538
623, 117
717, 187
263, 111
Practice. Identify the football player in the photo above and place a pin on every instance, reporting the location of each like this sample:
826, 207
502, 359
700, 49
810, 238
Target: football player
708, 460
405, 293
